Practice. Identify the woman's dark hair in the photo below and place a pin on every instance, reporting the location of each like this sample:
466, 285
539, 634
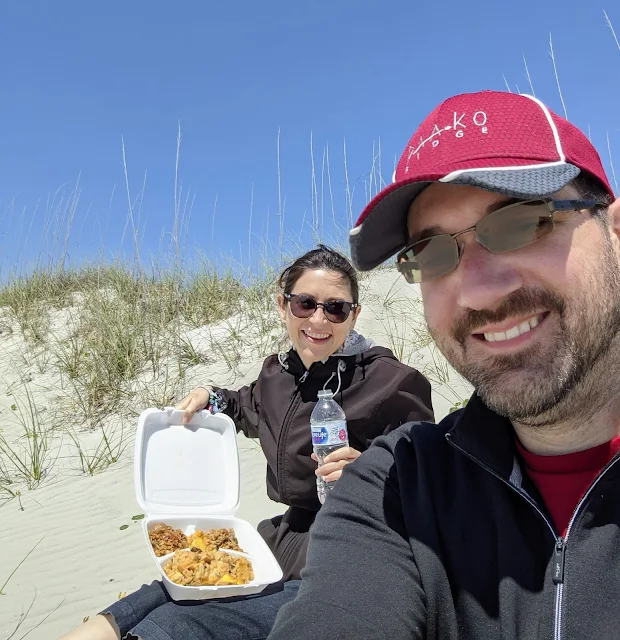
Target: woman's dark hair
320, 258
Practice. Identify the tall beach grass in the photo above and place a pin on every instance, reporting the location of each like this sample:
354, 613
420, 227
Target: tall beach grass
124, 330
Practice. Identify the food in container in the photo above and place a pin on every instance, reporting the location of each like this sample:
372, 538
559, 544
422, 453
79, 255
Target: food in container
197, 568
164, 539
187, 483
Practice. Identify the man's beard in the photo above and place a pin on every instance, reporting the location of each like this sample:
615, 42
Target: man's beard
538, 381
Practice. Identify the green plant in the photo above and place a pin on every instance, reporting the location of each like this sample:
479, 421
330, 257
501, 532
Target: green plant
189, 356
458, 405
24, 300
31, 455
7, 490
7, 494
108, 450
161, 391
2, 593
24, 616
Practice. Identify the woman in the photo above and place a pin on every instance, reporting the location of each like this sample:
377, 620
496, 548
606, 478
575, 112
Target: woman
319, 305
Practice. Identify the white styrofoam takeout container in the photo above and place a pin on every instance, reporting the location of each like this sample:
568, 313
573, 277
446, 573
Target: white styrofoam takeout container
187, 476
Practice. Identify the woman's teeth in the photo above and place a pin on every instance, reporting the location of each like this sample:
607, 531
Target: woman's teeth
317, 336
514, 332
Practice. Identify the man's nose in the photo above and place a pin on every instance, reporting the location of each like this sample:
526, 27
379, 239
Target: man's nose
485, 278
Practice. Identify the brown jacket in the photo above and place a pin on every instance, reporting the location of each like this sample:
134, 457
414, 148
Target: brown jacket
378, 394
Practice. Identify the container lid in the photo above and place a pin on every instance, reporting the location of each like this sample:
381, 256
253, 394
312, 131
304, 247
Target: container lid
186, 469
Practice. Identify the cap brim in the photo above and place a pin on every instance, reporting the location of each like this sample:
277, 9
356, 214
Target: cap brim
381, 230
384, 229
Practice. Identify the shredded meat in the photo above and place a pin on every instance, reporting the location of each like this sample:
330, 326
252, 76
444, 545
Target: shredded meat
196, 568
165, 539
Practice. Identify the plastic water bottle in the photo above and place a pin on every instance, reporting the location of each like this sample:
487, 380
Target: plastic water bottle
329, 432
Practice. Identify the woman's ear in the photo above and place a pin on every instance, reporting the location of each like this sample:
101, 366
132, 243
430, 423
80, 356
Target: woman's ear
355, 314
282, 306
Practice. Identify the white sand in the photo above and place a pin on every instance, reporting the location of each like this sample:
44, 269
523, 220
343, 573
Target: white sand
85, 561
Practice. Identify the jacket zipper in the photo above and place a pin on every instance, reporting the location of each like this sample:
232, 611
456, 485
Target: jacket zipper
288, 419
559, 552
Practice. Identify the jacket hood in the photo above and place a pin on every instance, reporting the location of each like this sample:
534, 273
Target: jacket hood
354, 344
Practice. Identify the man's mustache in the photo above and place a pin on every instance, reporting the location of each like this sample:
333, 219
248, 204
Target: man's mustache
518, 303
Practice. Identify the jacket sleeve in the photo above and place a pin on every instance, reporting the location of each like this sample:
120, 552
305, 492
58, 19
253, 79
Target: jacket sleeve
408, 400
360, 579
243, 407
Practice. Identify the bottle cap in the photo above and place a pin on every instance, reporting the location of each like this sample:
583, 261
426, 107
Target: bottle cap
326, 393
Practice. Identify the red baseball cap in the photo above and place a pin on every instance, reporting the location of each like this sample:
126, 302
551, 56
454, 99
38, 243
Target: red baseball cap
503, 142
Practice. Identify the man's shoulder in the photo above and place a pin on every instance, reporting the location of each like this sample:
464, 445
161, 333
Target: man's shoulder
414, 445
422, 433
415, 454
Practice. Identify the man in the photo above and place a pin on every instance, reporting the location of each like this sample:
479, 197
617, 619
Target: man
501, 522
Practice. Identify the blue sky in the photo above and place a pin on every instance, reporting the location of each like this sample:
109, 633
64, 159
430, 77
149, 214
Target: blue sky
77, 77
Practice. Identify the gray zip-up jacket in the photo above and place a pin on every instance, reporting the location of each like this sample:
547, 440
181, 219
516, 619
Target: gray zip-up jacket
436, 533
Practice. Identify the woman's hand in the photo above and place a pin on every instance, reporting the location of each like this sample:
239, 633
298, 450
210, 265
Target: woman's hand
335, 462
197, 399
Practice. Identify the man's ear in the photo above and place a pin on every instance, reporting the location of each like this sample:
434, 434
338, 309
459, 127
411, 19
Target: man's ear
356, 313
613, 213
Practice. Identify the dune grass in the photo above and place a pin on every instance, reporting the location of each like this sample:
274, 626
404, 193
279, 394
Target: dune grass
20, 563
118, 339
31, 456
120, 334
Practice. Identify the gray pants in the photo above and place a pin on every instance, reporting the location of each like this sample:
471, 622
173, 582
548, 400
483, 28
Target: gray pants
150, 614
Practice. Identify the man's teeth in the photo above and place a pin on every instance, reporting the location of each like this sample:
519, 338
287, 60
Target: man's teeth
515, 332
317, 336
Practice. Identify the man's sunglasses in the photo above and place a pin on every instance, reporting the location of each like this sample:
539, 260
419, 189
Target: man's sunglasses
511, 227
303, 306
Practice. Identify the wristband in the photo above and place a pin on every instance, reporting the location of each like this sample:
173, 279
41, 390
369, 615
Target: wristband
217, 402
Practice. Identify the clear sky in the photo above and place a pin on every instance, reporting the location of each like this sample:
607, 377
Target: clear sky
78, 77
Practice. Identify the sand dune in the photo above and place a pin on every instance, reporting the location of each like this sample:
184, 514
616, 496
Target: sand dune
84, 560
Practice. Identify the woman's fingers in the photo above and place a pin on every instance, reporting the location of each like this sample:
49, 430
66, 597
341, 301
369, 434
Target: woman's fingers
344, 453
335, 462
330, 467
198, 399
185, 402
332, 477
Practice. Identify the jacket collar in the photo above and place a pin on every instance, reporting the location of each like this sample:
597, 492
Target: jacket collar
354, 345
292, 363
485, 436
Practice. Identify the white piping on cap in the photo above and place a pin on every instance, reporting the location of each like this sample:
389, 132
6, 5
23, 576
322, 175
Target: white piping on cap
356, 230
554, 130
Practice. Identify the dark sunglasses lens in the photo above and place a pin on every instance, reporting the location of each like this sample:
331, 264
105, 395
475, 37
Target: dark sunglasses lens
514, 227
337, 310
429, 259
303, 306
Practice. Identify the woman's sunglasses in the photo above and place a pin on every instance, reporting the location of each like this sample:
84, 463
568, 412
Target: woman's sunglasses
303, 306
511, 227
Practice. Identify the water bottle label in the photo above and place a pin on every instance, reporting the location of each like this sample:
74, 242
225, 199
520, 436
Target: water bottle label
329, 434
